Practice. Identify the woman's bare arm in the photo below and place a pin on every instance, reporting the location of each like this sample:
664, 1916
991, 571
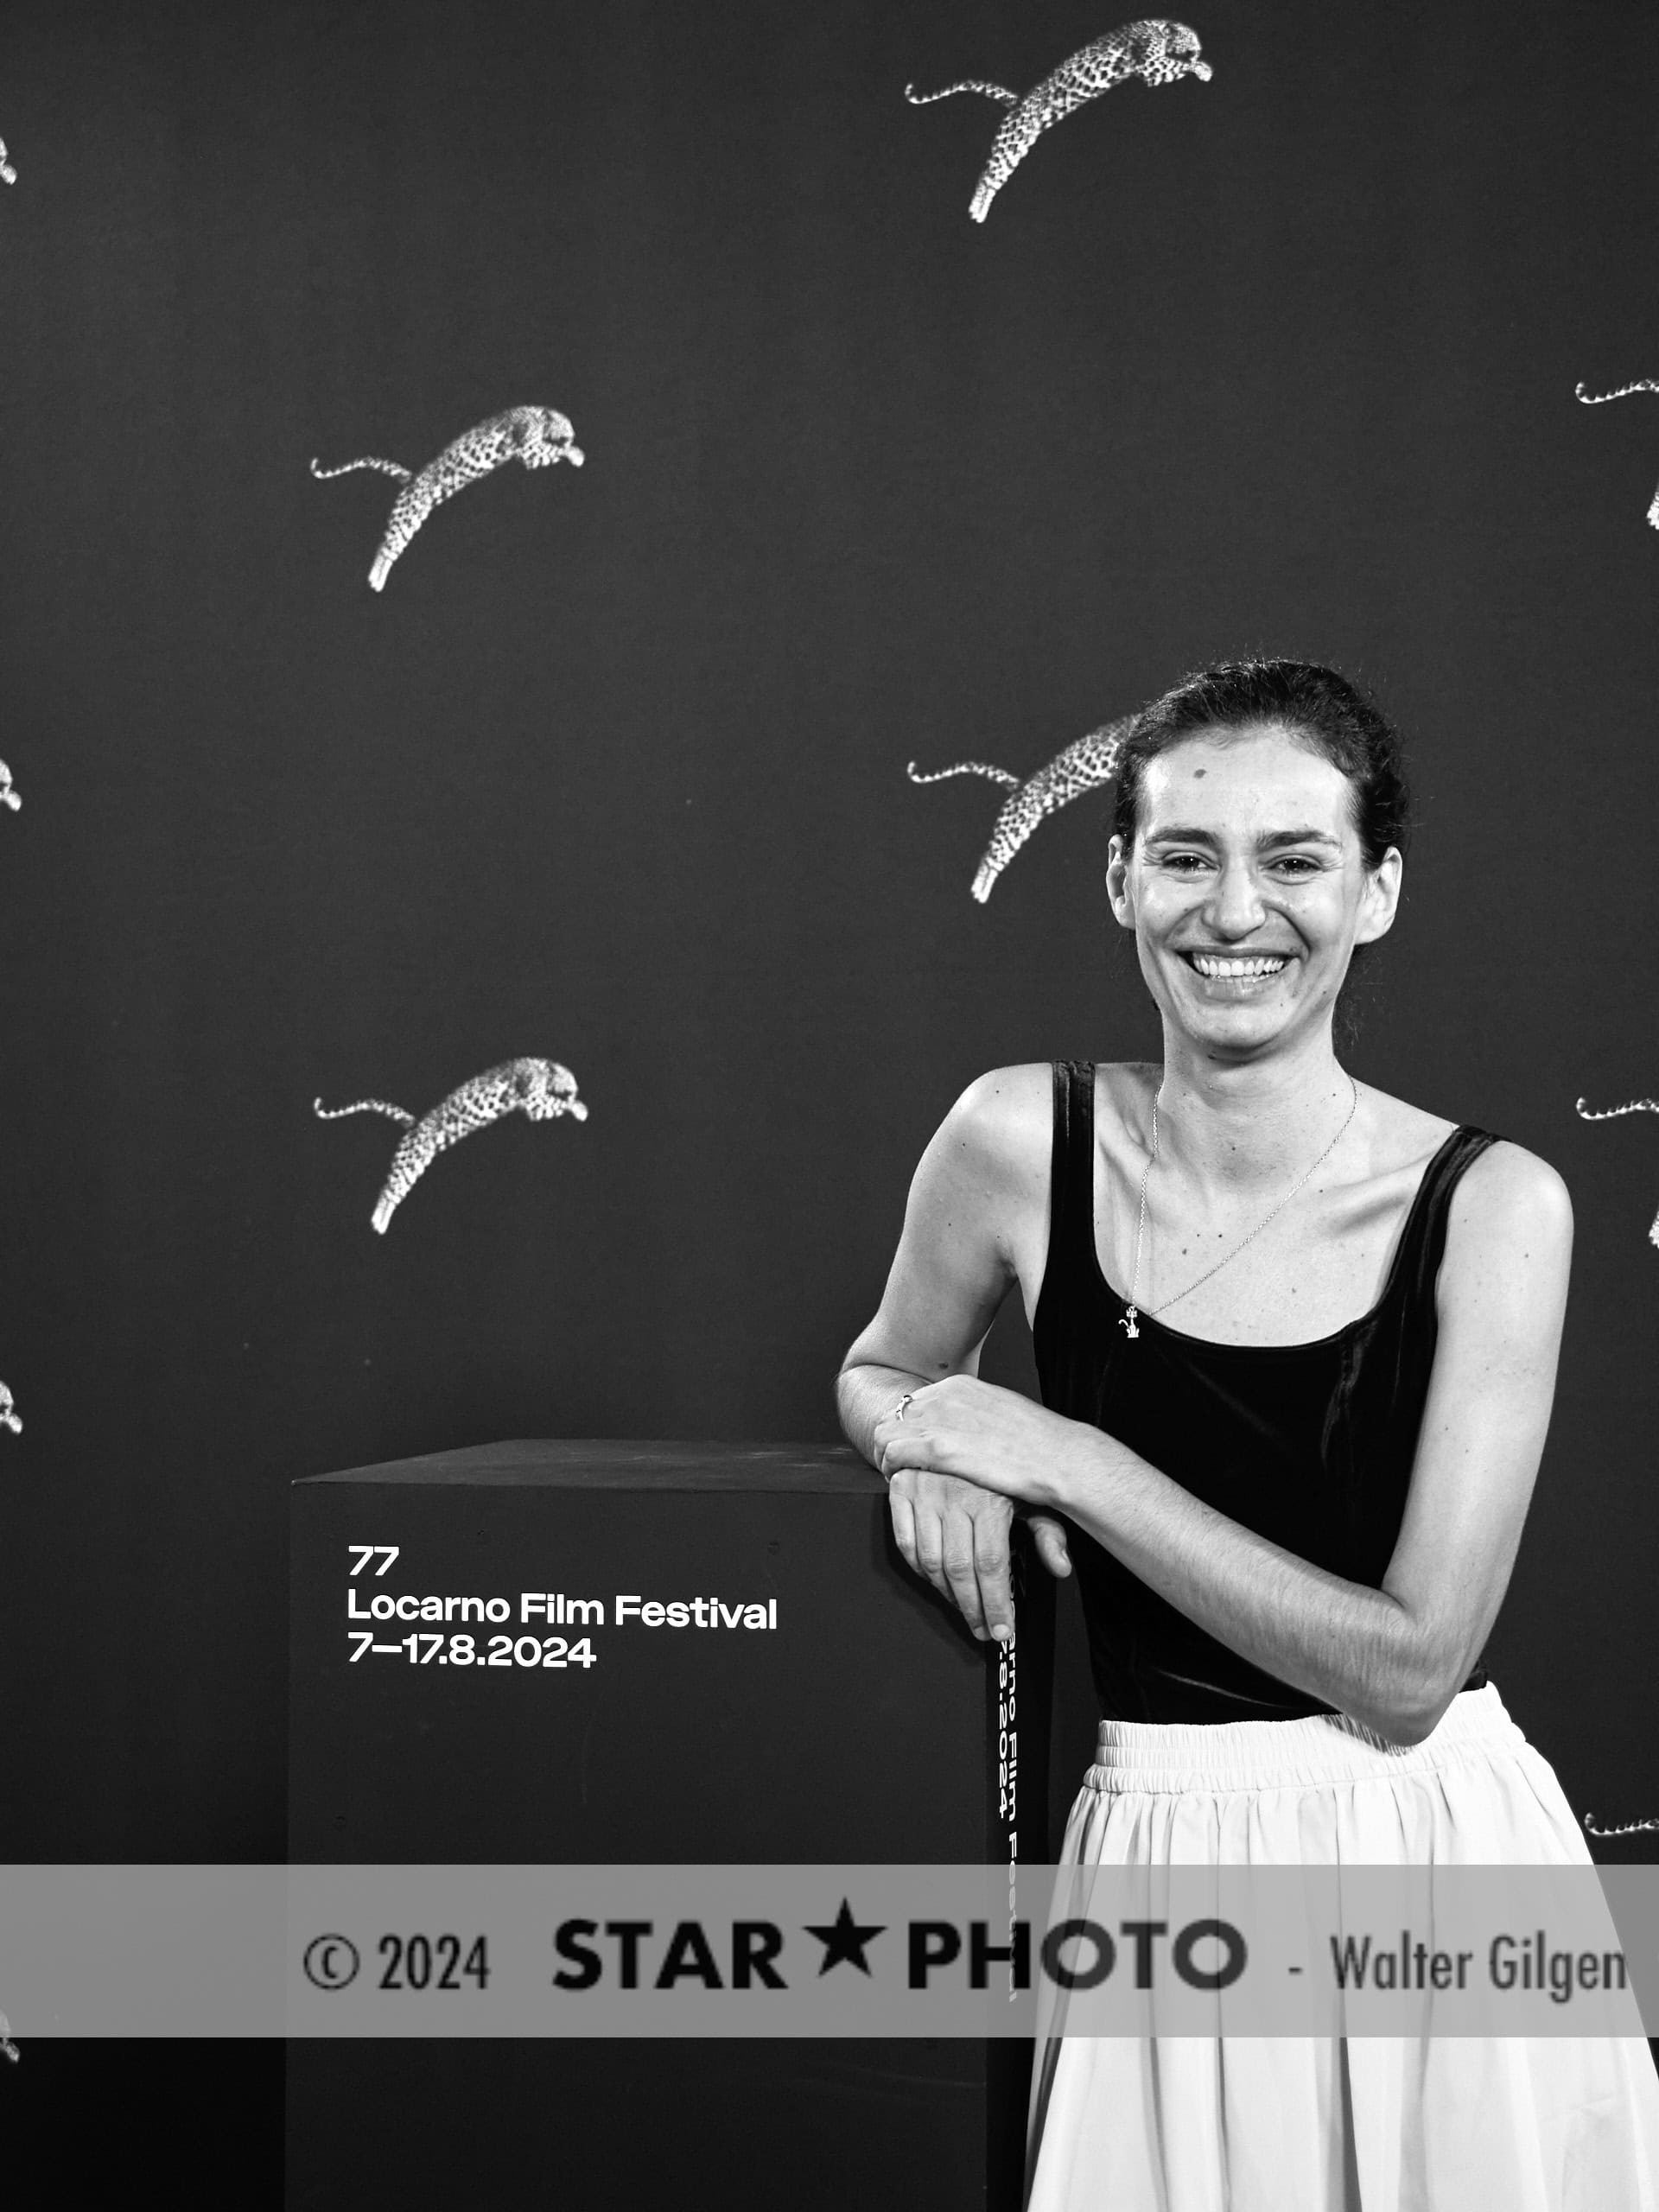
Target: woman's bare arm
954, 1267
1392, 1658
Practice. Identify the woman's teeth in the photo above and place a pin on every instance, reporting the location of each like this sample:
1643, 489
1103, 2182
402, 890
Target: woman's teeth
1222, 966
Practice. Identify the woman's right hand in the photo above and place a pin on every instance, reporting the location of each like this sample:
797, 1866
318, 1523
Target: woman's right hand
956, 1534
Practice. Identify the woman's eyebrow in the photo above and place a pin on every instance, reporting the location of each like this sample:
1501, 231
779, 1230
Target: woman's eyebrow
1307, 836
1265, 842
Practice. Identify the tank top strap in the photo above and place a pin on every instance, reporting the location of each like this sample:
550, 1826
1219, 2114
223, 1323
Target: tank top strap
1423, 1242
1071, 1174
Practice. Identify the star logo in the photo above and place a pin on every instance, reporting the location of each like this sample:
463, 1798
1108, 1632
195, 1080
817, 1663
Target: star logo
844, 1939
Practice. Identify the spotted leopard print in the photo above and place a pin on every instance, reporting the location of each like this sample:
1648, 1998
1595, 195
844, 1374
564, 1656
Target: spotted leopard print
8, 795
1082, 768
1601, 399
1157, 51
1611, 1114
537, 436
541, 1089
1628, 1828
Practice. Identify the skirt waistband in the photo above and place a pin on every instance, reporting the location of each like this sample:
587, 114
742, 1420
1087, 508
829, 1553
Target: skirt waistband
1320, 1747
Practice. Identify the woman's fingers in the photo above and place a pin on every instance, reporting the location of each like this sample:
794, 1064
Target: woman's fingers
1049, 1537
961, 1569
956, 1534
961, 1544
991, 1565
904, 1530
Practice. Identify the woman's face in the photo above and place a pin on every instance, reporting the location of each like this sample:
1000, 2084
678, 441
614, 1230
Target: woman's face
1247, 889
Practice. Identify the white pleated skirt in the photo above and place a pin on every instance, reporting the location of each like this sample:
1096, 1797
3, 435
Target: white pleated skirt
1353, 2124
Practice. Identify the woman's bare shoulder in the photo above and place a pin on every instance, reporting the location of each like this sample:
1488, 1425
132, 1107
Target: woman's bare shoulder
1511, 1193
1508, 1254
1014, 1106
1005, 1117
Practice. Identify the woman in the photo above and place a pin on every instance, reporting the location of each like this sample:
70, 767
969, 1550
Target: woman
1297, 1342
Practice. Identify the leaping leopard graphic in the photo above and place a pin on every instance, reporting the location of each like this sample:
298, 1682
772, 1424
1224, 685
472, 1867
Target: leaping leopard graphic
541, 1089
1611, 1114
1601, 399
1154, 50
1082, 768
537, 436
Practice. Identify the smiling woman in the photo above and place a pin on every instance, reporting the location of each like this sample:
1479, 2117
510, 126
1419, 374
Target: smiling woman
1320, 711
1294, 1518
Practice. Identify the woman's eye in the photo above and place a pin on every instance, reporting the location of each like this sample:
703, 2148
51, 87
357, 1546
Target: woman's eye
1295, 865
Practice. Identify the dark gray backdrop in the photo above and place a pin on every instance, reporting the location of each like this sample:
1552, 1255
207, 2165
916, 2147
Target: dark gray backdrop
614, 771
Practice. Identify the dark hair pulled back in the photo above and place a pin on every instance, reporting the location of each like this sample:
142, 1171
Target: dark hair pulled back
1320, 709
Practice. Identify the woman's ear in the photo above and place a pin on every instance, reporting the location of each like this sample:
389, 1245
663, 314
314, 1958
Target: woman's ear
1118, 884
1380, 900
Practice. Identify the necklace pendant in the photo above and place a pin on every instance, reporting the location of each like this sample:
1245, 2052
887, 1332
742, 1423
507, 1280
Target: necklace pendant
1128, 1323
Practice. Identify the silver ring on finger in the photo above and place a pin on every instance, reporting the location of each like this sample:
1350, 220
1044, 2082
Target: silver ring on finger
899, 1411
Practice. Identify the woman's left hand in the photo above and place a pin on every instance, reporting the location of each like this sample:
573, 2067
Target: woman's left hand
984, 1434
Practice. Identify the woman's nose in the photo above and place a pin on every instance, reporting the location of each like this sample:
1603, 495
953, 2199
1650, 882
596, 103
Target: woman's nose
1234, 907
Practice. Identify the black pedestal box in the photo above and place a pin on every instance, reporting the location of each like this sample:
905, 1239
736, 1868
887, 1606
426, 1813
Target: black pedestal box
817, 1705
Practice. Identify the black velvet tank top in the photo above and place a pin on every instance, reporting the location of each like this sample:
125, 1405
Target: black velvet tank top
1310, 1445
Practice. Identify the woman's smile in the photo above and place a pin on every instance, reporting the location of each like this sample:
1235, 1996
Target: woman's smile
1238, 972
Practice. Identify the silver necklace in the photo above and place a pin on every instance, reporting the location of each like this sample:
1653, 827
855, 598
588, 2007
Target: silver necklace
1131, 1317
